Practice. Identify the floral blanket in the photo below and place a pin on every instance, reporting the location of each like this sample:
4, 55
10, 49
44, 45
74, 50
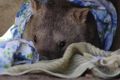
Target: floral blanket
106, 18
14, 49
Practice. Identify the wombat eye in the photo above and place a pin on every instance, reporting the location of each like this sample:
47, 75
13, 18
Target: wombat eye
35, 39
62, 44
51, 3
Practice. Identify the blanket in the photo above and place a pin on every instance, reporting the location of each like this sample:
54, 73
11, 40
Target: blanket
106, 18
77, 59
14, 50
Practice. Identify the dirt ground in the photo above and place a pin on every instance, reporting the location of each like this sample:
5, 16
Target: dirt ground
8, 9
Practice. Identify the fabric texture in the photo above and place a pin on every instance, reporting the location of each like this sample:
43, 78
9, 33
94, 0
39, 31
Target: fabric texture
103, 64
106, 18
13, 49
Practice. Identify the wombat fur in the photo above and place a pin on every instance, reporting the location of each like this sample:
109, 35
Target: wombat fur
57, 23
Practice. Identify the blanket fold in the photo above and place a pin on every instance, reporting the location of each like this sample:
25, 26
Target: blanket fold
73, 64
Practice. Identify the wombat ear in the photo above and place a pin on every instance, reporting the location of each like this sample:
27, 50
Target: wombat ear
81, 14
35, 5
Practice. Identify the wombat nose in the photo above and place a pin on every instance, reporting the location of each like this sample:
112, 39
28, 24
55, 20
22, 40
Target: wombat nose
50, 54
45, 53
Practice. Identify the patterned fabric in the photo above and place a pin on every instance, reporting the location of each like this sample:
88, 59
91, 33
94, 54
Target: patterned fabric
106, 17
13, 49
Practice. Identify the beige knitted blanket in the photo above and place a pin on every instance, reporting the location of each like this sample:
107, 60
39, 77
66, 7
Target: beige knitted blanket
77, 58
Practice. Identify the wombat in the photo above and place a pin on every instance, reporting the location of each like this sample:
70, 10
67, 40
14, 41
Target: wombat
42, 32
57, 23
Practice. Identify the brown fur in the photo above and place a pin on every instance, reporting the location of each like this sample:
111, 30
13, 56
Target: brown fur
59, 23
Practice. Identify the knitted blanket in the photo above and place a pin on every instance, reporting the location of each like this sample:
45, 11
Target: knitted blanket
78, 58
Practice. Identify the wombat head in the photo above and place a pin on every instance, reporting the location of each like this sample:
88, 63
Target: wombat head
56, 24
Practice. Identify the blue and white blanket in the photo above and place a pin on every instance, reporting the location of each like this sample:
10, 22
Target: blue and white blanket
106, 18
15, 50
